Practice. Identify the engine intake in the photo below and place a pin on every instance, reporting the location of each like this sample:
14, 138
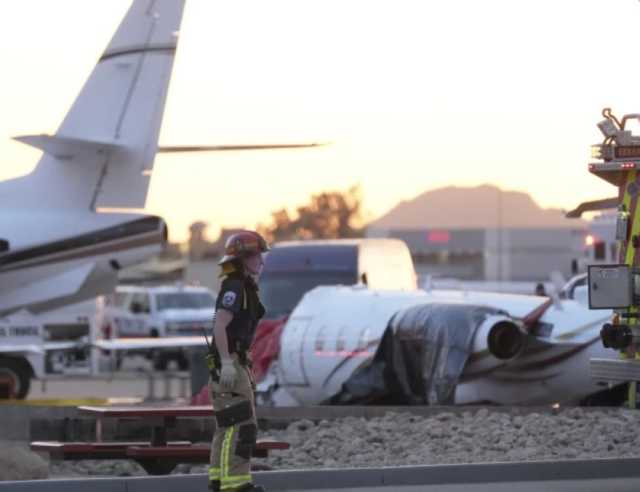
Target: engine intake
506, 340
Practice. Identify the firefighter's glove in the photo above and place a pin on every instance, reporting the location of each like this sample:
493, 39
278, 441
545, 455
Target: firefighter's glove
228, 374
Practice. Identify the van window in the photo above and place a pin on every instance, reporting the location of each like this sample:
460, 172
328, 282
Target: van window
141, 301
280, 292
184, 300
119, 299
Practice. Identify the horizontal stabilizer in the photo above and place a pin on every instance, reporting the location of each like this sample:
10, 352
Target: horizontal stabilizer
61, 285
149, 343
229, 148
593, 206
66, 148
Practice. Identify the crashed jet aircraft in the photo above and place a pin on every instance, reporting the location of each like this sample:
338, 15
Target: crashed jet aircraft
354, 345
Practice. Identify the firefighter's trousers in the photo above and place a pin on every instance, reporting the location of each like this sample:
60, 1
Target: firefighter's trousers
235, 431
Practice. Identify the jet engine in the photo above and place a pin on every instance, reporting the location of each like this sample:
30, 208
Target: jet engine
502, 336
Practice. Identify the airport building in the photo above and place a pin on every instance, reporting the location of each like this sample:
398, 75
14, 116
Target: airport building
509, 254
488, 234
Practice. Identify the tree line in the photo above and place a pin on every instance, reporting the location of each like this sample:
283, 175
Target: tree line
328, 215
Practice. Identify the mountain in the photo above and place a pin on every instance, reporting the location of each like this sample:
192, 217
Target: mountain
483, 207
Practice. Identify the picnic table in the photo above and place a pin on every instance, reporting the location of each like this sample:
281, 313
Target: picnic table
159, 418
157, 456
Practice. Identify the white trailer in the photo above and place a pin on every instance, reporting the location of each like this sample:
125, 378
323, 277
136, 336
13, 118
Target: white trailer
65, 344
60, 342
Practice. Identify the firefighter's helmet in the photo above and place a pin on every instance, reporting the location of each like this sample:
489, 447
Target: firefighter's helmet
243, 244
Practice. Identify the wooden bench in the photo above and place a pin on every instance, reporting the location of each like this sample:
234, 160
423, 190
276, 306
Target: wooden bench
92, 450
159, 419
157, 456
156, 460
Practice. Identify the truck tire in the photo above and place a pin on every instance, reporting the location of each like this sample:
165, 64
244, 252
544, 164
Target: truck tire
20, 373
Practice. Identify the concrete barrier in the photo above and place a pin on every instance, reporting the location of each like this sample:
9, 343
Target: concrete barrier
357, 478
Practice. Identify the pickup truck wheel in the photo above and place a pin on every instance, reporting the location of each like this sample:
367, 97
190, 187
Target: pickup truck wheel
20, 374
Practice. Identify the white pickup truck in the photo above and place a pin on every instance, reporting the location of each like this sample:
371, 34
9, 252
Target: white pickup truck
163, 311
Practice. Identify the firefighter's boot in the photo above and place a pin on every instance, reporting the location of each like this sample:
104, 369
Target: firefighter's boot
250, 487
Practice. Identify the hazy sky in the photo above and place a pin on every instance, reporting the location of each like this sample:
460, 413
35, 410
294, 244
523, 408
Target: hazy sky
414, 95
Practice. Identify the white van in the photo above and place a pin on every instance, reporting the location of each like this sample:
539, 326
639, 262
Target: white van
293, 268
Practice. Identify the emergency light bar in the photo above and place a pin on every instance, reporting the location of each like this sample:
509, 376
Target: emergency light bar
609, 152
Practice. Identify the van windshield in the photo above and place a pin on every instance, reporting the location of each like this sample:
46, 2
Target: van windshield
280, 292
184, 300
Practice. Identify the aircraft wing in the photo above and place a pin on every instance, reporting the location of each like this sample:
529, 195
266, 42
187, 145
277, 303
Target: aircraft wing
56, 286
150, 343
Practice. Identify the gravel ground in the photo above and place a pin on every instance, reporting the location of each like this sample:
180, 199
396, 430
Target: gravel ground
18, 463
404, 439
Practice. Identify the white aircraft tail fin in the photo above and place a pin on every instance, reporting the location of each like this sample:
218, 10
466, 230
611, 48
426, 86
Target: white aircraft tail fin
103, 151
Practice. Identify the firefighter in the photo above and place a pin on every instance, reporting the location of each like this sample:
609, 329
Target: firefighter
238, 310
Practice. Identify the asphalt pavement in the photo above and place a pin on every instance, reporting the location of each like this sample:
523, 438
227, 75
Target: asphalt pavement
614, 475
595, 485
605, 485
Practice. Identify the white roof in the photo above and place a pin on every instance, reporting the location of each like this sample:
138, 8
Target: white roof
158, 289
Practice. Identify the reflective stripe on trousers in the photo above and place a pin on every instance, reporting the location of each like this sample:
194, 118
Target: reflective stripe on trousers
214, 474
229, 458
